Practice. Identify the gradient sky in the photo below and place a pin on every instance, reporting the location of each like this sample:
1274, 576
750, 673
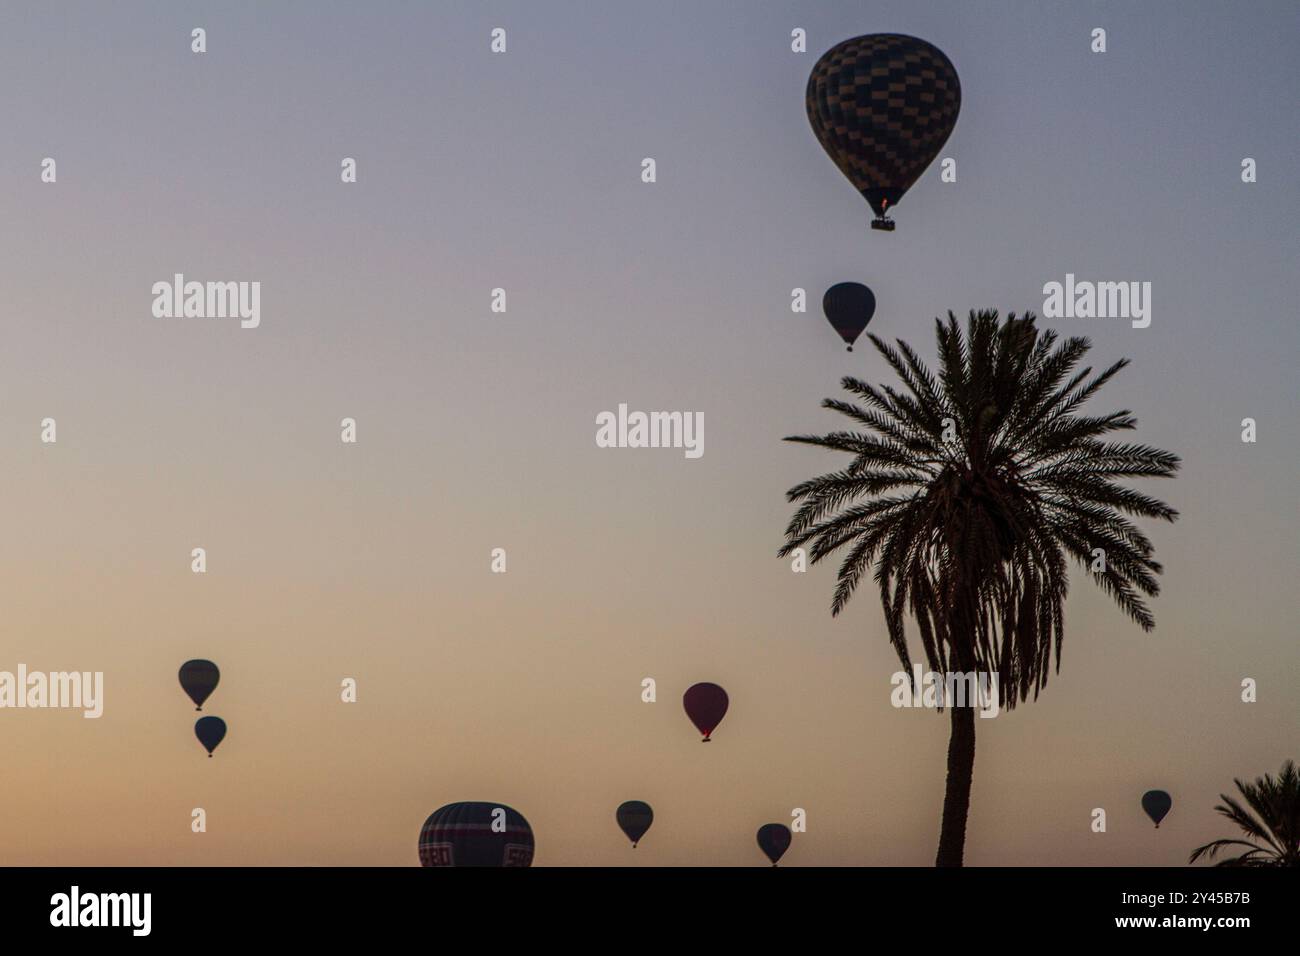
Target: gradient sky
477, 430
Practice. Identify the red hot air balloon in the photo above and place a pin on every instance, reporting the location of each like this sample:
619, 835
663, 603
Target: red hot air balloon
706, 705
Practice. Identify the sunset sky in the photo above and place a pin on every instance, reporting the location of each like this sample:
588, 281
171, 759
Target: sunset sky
477, 430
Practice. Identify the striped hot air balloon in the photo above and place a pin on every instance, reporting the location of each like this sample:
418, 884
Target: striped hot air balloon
476, 834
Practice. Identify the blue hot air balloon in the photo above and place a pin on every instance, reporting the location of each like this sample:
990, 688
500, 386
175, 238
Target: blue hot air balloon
634, 818
774, 840
199, 679
210, 731
849, 306
1157, 804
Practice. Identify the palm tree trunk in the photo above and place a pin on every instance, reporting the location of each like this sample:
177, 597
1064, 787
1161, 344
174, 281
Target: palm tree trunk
956, 797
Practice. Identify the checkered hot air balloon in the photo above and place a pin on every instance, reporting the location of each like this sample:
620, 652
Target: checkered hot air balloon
882, 106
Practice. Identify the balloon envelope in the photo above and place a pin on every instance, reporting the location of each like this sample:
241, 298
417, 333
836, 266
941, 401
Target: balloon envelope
1157, 804
199, 679
634, 818
774, 840
210, 731
705, 704
882, 106
849, 306
476, 834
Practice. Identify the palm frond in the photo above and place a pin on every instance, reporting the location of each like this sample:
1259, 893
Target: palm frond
972, 538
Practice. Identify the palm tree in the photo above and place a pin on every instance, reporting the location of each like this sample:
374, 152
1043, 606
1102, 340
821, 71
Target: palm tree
969, 492
1276, 802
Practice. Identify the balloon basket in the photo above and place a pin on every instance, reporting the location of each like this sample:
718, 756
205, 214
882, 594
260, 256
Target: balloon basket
883, 224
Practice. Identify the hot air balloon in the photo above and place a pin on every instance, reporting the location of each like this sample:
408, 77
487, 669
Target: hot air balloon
476, 834
882, 106
705, 704
1157, 803
774, 840
199, 679
849, 306
210, 731
634, 818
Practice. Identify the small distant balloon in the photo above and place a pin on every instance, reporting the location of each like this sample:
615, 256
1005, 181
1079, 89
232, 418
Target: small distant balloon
476, 833
706, 705
210, 731
774, 840
1157, 804
849, 306
634, 818
199, 679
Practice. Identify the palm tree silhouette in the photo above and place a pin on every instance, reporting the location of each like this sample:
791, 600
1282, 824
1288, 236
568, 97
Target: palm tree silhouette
1276, 802
969, 492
